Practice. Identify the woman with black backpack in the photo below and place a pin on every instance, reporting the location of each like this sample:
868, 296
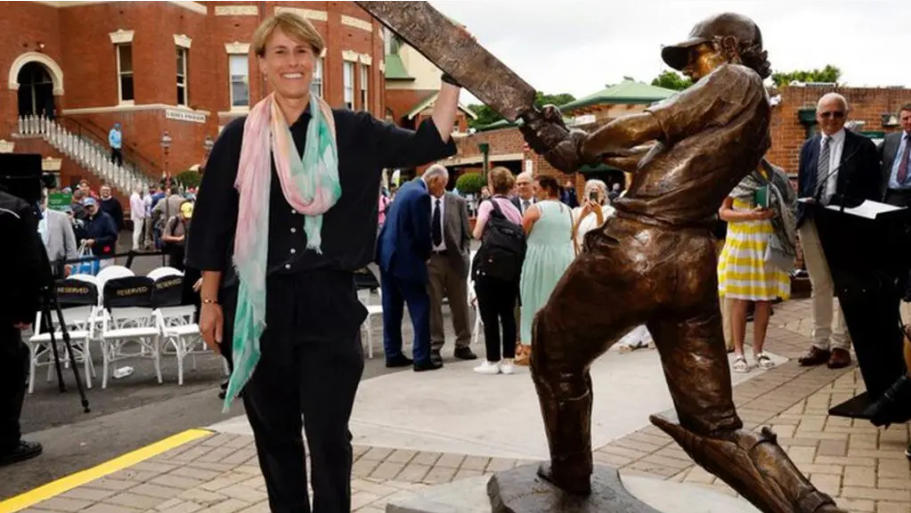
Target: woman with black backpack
496, 270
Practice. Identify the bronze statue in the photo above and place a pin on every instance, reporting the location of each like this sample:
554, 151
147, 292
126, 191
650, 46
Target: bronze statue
655, 263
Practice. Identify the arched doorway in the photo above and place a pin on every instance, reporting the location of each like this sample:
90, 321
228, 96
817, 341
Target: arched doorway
36, 90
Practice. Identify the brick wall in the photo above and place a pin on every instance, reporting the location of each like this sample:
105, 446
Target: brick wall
867, 104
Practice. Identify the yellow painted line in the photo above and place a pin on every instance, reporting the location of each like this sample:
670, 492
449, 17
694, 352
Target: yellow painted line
65, 484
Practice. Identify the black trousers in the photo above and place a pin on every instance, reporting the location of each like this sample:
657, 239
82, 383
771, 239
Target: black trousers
13, 364
117, 156
497, 302
312, 376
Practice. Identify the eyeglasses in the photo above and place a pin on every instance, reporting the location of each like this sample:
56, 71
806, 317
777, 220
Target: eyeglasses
837, 114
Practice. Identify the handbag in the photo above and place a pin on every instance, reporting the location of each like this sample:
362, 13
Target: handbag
86, 266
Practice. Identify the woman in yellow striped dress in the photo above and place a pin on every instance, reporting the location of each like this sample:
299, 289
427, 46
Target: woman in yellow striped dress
745, 275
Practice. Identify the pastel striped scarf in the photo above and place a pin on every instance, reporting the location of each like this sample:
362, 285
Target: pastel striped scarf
311, 187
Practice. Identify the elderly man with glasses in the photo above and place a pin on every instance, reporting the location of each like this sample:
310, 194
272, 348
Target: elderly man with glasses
836, 166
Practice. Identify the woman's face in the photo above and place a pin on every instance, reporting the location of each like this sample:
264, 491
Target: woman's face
539, 193
288, 65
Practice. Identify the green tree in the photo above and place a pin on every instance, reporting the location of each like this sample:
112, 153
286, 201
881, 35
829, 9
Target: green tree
470, 183
670, 79
828, 74
487, 115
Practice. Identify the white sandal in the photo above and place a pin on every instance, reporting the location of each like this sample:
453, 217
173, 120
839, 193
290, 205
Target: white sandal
764, 361
740, 364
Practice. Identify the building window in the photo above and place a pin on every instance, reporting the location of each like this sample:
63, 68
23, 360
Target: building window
182, 76
125, 72
238, 67
316, 84
365, 81
348, 81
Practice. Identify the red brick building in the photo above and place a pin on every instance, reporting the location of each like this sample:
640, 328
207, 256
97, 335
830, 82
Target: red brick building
181, 68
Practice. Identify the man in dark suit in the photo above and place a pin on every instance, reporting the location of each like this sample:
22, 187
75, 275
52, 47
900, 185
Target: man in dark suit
448, 268
525, 193
895, 154
19, 300
403, 249
836, 166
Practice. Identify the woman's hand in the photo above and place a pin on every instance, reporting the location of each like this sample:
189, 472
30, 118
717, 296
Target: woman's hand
762, 214
211, 322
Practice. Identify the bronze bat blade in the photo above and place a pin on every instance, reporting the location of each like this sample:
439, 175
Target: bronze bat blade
456, 52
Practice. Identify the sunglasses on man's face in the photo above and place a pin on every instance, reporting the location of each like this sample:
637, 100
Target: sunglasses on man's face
836, 114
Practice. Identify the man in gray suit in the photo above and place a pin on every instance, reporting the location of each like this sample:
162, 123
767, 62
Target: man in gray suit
895, 154
57, 234
448, 269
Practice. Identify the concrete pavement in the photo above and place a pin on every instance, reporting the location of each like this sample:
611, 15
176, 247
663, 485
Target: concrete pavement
413, 431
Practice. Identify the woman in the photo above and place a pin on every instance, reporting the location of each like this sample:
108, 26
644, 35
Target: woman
747, 270
591, 215
497, 297
548, 226
294, 186
594, 210
175, 234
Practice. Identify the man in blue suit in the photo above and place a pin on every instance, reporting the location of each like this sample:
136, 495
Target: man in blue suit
403, 249
836, 166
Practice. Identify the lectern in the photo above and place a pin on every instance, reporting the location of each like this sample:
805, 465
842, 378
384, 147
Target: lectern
868, 248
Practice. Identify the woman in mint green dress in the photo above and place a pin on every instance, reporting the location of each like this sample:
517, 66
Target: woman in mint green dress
548, 227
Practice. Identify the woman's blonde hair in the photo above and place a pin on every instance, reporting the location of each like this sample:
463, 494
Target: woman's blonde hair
501, 179
291, 24
596, 185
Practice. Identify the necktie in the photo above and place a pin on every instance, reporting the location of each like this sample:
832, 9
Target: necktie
524, 206
903, 163
822, 169
437, 229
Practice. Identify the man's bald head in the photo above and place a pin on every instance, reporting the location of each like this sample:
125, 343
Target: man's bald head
831, 113
525, 185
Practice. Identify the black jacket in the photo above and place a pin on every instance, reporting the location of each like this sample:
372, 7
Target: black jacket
22, 261
858, 172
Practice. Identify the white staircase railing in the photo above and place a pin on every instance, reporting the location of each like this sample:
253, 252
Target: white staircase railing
89, 154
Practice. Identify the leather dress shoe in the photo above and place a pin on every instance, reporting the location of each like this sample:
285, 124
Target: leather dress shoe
399, 360
435, 356
428, 365
22, 451
840, 358
464, 353
815, 356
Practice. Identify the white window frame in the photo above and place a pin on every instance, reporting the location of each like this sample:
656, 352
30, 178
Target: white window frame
246, 61
186, 84
348, 84
316, 83
121, 73
365, 86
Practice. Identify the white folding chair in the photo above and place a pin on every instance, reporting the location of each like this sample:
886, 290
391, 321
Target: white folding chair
122, 326
109, 273
79, 322
373, 310
180, 335
161, 272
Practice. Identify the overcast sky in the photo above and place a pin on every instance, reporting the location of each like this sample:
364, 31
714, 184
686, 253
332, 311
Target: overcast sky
579, 46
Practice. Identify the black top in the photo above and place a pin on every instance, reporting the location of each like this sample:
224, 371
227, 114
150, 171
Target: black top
365, 147
26, 268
